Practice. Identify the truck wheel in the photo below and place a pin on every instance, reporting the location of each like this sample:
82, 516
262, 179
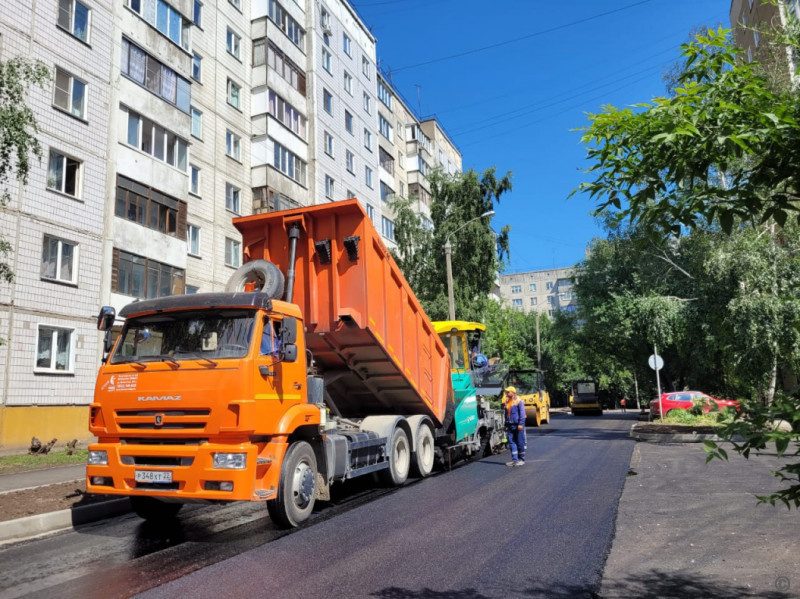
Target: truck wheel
538, 420
547, 419
399, 460
297, 487
153, 510
263, 273
422, 464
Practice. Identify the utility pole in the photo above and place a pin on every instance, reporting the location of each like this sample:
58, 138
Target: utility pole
538, 342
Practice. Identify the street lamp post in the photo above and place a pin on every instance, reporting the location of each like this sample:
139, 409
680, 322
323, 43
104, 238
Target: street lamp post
447, 255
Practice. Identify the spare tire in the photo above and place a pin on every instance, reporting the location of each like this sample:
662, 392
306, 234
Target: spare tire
267, 278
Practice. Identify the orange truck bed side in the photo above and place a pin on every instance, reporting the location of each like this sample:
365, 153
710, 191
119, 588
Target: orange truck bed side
368, 333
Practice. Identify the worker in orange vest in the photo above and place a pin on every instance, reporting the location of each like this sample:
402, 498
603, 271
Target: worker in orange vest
515, 427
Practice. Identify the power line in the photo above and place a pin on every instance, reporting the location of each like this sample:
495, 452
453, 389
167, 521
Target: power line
524, 37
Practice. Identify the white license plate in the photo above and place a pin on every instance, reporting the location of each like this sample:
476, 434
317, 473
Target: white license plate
153, 476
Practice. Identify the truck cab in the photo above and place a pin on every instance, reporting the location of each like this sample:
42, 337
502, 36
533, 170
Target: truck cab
584, 398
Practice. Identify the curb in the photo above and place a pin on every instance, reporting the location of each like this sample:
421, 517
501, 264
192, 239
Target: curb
674, 438
32, 526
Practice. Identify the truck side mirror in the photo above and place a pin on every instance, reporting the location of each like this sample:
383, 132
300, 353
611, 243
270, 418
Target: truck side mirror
105, 320
289, 330
289, 352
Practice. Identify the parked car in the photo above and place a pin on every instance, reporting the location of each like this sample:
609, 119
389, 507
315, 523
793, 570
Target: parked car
683, 400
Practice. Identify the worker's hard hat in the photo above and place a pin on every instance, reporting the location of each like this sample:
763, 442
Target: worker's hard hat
511, 390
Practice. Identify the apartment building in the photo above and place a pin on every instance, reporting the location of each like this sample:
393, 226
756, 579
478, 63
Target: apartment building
750, 19
544, 291
166, 119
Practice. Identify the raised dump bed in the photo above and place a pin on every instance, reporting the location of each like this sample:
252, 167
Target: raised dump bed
376, 348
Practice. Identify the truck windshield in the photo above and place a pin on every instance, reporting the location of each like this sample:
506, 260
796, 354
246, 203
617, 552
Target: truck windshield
586, 388
189, 335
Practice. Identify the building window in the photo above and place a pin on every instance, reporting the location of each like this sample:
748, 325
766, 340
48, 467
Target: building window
346, 44
350, 162
516, 303
197, 67
197, 123
329, 185
384, 95
70, 94
348, 83
371, 212
233, 252
233, 198
193, 239
348, 122
534, 301
163, 17
194, 180
549, 285
368, 176
192, 289
327, 101
286, 23
145, 278
64, 174
387, 228
325, 18
365, 66
289, 164
328, 144
55, 350
59, 260
237, 4
385, 128
367, 103
326, 60
149, 207
284, 67
516, 289
152, 139
400, 157
197, 14
287, 114
233, 44
532, 287
386, 192
157, 78
234, 95
403, 194
75, 17
367, 139
233, 145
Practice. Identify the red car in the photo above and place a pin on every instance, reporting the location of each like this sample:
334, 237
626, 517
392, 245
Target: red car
683, 400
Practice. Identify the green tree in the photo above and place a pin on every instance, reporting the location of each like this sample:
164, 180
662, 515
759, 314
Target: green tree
724, 148
18, 132
478, 252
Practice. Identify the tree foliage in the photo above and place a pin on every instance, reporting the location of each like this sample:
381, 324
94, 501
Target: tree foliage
478, 253
724, 149
18, 131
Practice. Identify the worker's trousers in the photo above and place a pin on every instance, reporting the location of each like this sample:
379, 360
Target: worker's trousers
516, 442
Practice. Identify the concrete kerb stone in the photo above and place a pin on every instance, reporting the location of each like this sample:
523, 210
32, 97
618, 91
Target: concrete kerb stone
33, 526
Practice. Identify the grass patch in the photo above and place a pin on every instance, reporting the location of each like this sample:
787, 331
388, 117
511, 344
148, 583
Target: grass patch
685, 417
22, 462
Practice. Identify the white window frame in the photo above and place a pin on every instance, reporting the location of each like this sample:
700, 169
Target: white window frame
347, 44
365, 66
367, 103
234, 92
197, 119
194, 180
197, 14
328, 144
330, 186
197, 65
348, 122
66, 11
367, 139
237, 4
61, 186
387, 228
233, 44
233, 252
326, 60
75, 85
233, 145
348, 83
233, 198
58, 275
52, 368
193, 240
327, 99
350, 161
368, 176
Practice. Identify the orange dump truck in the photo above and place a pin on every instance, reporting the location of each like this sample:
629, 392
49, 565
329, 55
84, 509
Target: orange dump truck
263, 395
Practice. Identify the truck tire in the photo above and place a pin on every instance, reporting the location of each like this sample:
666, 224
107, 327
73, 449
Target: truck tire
424, 453
264, 273
547, 419
153, 510
538, 419
399, 460
297, 487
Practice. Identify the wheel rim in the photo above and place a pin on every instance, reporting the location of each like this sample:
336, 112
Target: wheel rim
302, 485
401, 456
425, 451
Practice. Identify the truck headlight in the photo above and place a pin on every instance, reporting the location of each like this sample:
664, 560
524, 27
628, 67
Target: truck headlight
230, 461
98, 458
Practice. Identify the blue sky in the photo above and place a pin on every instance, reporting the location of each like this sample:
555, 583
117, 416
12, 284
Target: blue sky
524, 75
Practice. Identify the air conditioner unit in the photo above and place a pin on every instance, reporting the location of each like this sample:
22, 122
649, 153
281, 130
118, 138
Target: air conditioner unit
326, 29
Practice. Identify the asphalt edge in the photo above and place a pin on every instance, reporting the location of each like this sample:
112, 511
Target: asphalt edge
678, 437
39, 524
